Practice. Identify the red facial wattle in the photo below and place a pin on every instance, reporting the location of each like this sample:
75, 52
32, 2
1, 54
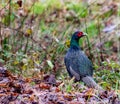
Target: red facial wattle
80, 34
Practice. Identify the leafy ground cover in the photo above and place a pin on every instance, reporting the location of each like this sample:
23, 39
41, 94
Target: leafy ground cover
34, 37
16, 90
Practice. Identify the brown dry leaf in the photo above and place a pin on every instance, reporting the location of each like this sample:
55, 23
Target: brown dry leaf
3, 84
19, 2
29, 91
57, 89
76, 102
68, 97
28, 80
90, 92
2, 95
44, 86
15, 94
104, 94
52, 79
32, 97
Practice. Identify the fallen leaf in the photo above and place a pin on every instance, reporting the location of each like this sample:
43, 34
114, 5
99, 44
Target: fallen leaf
89, 92
68, 97
44, 86
50, 64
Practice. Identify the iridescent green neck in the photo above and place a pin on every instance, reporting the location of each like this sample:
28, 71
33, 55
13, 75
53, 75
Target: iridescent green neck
74, 43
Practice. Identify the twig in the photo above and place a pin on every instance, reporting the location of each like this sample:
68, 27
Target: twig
100, 39
17, 30
26, 45
9, 13
25, 17
89, 46
0, 37
4, 26
88, 7
118, 39
5, 6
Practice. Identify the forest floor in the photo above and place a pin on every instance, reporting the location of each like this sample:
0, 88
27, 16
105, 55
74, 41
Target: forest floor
17, 90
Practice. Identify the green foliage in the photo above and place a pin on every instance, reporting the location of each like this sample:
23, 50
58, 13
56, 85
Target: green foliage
108, 44
107, 14
54, 4
8, 18
67, 84
92, 29
112, 65
79, 8
41, 7
110, 74
119, 12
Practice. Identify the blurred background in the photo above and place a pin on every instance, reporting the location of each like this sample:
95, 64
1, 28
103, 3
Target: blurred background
35, 35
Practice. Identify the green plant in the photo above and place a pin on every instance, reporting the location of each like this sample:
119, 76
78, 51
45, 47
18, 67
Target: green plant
39, 8
92, 29
79, 8
110, 74
49, 5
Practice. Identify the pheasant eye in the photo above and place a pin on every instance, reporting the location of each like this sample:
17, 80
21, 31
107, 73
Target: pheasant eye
80, 34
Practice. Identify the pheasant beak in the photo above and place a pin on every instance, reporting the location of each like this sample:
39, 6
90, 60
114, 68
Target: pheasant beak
84, 34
